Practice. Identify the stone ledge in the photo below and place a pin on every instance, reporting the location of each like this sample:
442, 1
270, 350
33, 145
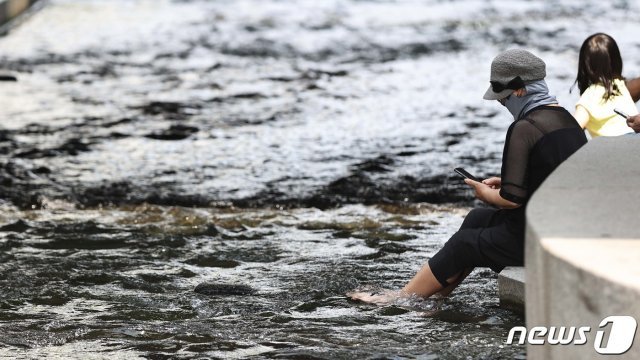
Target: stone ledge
583, 244
511, 288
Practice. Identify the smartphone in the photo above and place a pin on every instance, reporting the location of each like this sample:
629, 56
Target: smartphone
621, 113
464, 173
8, 78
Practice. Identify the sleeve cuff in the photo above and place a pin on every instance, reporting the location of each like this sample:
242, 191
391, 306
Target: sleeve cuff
513, 198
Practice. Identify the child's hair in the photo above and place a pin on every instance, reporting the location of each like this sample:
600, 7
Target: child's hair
599, 63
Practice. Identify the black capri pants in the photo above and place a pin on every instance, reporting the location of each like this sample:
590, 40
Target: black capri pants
484, 240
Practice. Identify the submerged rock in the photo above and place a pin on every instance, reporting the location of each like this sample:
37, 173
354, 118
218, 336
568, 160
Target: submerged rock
216, 289
18, 226
212, 261
175, 132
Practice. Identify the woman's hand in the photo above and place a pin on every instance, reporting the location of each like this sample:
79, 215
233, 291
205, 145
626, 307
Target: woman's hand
482, 190
491, 195
493, 182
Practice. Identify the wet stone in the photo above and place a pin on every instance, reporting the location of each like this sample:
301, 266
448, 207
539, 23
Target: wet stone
186, 273
42, 170
393, 311
212, 261
53, 299
218, 289
71, 147
18, 226
8, 244
174, 132
165, 107
379, 164
122, 121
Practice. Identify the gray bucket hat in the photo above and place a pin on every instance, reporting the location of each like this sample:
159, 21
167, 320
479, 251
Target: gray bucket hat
510, 69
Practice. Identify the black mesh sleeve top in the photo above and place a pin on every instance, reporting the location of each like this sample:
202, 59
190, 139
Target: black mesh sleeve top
535, 145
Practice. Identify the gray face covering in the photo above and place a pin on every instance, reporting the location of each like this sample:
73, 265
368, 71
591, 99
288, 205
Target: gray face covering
537, 95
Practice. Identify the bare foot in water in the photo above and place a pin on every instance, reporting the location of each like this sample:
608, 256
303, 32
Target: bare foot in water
384, 298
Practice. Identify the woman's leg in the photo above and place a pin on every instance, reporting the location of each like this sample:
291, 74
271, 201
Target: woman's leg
478, 218
454, 283
425, 283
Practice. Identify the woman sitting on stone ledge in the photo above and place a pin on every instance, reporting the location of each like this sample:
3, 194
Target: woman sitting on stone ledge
542, 136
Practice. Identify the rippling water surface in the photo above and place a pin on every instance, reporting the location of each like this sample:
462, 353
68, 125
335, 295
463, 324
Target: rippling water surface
123, 280
300, 148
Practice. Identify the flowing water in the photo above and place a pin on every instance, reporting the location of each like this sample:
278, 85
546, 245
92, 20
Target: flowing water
282, 152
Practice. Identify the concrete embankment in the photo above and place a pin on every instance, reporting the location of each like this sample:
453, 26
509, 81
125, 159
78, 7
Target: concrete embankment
511, 288
583, 248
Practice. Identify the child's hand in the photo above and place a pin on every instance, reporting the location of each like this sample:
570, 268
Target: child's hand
634, 122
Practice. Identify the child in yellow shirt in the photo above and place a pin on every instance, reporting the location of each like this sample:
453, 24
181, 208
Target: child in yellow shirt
602, 88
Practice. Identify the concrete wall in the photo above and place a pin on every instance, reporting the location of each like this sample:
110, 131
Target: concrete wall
583, 246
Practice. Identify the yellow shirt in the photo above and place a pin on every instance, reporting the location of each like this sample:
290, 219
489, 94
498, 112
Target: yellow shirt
603, 121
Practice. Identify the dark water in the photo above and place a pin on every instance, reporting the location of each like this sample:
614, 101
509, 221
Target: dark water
298, 148
122, 280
